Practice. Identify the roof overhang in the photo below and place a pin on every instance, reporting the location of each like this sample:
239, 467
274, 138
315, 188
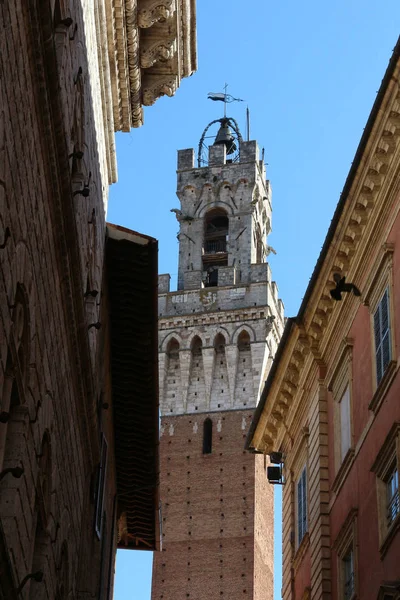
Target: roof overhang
131, 260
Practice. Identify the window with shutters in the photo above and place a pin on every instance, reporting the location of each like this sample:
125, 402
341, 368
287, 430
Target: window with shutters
386, 469
301, 502
382, 337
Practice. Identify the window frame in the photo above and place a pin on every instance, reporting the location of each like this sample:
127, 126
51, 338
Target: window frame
379, 364
339, 382
393, 474
303, 517
380, 280
387, 460
345, 543
345, 577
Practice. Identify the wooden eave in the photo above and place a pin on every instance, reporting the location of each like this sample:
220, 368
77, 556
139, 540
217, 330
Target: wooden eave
131, 260
360, 205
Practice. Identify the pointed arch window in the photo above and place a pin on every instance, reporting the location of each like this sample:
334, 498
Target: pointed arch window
207, 436
219, 343
173, 348
244, 340
196, 346
12, 393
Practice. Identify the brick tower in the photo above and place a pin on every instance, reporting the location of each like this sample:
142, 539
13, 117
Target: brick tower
217, 336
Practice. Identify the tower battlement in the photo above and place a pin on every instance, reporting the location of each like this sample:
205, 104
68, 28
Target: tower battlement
224, 218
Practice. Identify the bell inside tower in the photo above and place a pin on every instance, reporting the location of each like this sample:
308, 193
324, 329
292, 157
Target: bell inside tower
215, 254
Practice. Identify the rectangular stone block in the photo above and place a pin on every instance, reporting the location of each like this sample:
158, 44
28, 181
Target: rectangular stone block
226, 276
259, 272
164, 283
192, 280
217, 155
186, 159
249, 151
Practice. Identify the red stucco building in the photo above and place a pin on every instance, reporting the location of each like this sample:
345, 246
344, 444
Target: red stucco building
330, 407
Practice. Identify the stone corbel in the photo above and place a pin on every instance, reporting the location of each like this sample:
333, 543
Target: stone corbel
159, 51
157, 88
156, 11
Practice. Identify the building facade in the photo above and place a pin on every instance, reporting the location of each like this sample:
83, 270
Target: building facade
330, 408
217, 334
71, 73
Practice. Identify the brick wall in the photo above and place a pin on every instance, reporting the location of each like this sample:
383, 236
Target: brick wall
208, 503
53, 251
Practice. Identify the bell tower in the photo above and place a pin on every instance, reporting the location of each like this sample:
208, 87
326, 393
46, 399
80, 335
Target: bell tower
218, 334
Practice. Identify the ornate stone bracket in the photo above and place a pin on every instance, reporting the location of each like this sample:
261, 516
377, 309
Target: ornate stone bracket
159, 51
156, 11
160, 87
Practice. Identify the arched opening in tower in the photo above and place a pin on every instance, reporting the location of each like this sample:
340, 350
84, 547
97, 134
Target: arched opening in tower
259, 245
196, 398
207, 436
244, 375
220, 393
172, 398
215, 255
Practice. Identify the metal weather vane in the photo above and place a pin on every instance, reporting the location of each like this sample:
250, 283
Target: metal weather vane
223, 97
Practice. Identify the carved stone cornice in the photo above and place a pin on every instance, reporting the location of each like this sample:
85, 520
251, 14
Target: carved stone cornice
151, 46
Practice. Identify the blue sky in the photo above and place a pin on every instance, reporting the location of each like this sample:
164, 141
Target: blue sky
309, 72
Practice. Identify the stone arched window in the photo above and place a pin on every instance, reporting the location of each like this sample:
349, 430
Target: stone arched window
39, 559
78, 132
63, 574
63, 28
196, 346
12, 395
215, 251
173, 349
259, 245
207, 436
20, 332
44, 478
244, 340
42, 512
219, 343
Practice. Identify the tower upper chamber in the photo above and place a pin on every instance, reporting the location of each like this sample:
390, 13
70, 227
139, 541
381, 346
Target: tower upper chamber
226, 302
